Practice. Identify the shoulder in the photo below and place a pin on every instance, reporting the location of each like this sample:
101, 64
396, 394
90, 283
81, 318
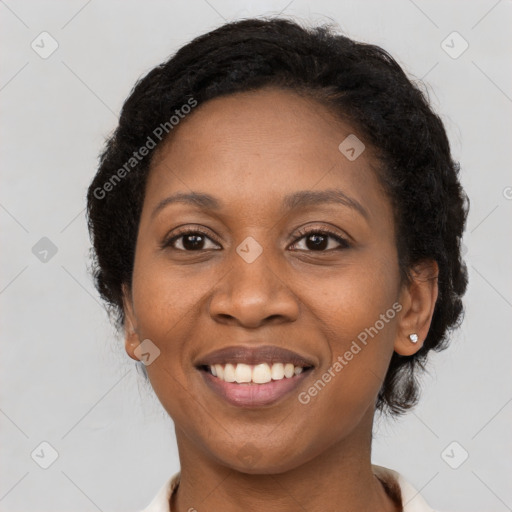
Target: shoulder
161, 502
411, 499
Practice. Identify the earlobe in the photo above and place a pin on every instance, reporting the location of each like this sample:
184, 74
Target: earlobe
131, 338
418, 299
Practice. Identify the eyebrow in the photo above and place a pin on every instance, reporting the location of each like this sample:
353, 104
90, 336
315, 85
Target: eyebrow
305, 198
300, 199
203, 201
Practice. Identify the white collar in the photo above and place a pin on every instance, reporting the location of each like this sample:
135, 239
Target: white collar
411, 498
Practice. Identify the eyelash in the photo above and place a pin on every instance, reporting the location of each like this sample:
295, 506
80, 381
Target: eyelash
344, 244
323, 231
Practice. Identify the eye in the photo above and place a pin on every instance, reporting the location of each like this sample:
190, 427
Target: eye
320, 240
190, 240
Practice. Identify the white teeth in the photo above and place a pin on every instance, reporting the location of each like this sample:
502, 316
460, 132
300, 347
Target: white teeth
229, 373
277, 371
243, 373
220, 371
258, 374
261, 374
288, 370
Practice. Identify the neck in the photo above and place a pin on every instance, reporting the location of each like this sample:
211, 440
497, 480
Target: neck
341, 475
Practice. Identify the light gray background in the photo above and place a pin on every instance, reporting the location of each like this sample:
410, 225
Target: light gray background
64, 376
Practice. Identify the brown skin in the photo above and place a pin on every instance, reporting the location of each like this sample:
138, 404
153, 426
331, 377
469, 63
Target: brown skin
249, 150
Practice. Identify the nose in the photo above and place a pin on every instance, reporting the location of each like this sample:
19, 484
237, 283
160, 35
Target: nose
253, 294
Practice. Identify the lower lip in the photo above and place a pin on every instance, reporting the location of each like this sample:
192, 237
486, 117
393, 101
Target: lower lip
250, 394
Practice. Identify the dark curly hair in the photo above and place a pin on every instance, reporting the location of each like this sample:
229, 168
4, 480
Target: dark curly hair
358, 81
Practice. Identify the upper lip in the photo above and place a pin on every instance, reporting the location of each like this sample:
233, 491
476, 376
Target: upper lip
253, 355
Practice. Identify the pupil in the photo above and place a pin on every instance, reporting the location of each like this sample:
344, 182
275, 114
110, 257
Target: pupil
195, 242
319, 241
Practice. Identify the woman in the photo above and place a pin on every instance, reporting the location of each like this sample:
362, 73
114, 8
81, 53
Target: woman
277, 223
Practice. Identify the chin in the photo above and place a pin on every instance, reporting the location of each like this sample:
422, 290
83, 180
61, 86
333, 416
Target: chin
252, 460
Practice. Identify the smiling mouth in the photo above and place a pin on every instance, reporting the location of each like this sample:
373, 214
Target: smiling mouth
252, 386
254, 376
263, 373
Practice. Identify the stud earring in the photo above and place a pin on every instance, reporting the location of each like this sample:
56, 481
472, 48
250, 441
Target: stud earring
413, 337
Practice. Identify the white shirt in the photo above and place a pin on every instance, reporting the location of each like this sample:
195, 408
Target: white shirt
411, 499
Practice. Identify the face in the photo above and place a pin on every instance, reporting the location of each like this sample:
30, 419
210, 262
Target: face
294, 248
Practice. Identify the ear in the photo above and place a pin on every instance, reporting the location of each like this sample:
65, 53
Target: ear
131, 338
418, 299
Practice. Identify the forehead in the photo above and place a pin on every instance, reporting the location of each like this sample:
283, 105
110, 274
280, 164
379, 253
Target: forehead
256, 147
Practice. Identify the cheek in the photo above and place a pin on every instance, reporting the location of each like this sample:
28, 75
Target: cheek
352, 299
166, 306
359, 312
165, 297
